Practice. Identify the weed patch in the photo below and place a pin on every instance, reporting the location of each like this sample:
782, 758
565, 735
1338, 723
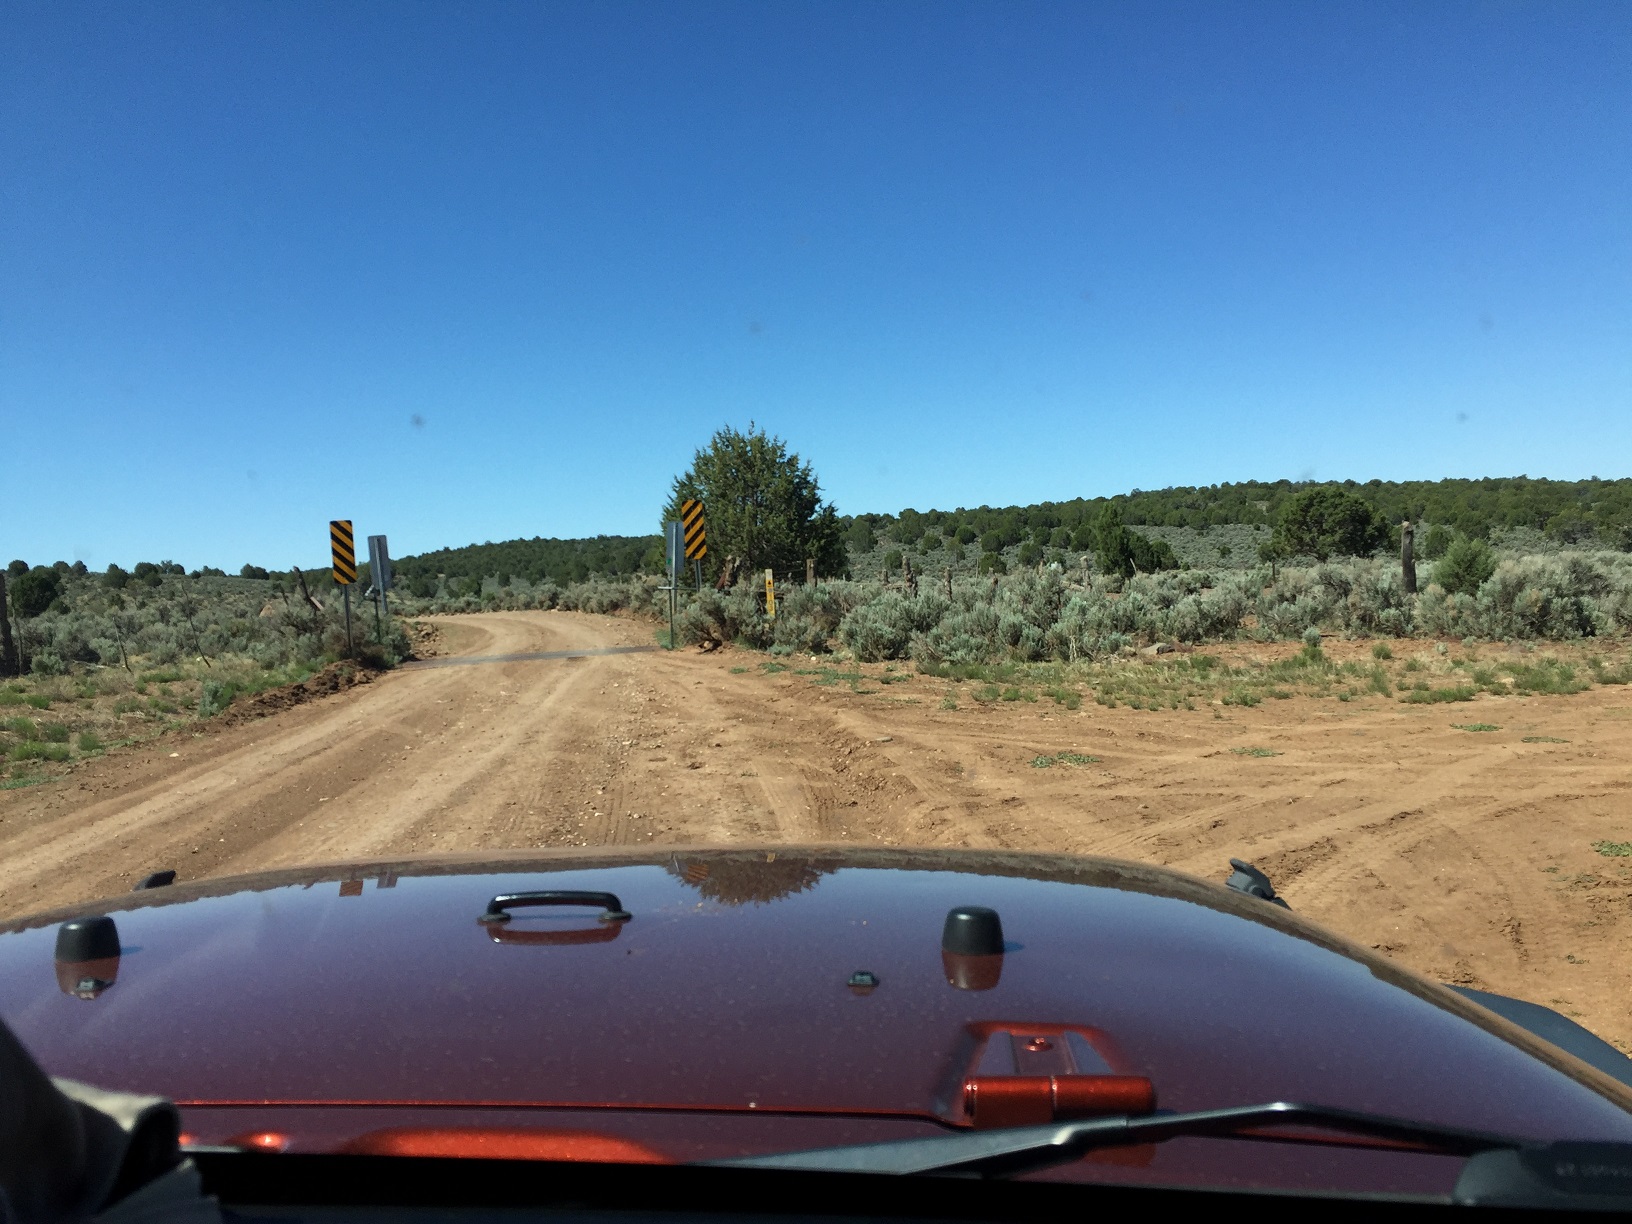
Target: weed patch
1475, 726
1611, 849
1543, 739
1433, 696
1604, 674
1046, 761
33, 750
1547, 676
217, 696
1255, 752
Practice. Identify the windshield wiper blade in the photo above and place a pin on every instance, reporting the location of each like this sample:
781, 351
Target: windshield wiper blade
1023, 1148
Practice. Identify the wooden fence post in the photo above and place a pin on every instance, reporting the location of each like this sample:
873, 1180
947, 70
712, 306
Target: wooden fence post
8, 648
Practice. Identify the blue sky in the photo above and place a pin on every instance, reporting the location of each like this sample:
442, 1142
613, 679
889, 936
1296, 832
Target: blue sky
472, 271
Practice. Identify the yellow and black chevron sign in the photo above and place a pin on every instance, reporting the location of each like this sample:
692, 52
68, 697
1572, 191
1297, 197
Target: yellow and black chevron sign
691, 514
345, 554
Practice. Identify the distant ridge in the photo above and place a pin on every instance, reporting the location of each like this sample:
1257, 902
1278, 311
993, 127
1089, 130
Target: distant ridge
1568, 511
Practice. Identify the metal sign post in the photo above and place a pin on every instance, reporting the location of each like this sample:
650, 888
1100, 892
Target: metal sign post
675, 533
379, 568
345, 566
770, 595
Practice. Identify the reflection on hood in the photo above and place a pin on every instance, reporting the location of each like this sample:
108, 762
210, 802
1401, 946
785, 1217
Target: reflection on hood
759, 877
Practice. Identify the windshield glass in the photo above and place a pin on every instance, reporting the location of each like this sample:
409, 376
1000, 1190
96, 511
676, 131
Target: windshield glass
699, 582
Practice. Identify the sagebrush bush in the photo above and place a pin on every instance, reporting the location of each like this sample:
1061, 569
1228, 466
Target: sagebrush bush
1067, 613
720, 617
883, 628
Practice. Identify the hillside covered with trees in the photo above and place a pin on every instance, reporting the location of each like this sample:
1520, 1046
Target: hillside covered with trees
1571, 512
1587, 513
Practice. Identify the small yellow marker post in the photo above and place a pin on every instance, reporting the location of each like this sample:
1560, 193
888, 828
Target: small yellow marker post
770, 596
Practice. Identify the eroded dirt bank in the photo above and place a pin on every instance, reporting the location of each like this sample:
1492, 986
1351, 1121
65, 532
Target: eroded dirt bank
1468, 856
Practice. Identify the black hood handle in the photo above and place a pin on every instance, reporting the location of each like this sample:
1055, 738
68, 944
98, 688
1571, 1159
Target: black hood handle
498, 908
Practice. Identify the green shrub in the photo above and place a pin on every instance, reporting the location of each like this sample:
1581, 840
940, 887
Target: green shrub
1465, 567
1433, 542
54, 733
1604, 674
33, 750
90, 741
32, 593
217, 696
1433, 696
23, 728
1547, 676
1381, 650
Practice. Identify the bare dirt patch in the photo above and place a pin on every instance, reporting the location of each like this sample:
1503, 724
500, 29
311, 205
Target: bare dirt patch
1469, 857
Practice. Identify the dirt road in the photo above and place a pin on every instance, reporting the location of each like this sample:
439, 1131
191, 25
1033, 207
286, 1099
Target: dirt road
1467, 856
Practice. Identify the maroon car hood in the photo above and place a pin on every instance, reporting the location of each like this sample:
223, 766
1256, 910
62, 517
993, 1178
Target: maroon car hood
729, 992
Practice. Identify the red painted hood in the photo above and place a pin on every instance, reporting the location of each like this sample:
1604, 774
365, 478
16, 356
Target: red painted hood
328, 1001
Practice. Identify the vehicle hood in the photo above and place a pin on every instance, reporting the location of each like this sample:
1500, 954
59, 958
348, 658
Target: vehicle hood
732, 991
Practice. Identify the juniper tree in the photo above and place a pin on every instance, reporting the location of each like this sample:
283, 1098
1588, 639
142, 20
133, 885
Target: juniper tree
761, 505
1329, 521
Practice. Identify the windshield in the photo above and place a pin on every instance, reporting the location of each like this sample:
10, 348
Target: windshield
667, 460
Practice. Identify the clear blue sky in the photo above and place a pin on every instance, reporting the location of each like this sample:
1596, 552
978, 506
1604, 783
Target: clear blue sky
472, 271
